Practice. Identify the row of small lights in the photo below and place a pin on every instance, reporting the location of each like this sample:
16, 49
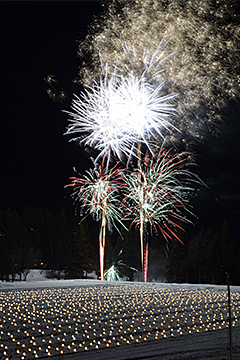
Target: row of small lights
55, 321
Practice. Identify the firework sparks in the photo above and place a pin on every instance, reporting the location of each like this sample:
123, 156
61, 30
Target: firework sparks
97, 194
157, 194
121, 111
204, 35
144, 110
114, 273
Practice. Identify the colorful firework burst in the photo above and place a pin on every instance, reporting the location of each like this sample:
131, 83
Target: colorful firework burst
97, 195
156, 195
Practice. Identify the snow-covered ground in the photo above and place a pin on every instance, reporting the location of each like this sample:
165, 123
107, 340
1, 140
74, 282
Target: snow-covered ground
85, 319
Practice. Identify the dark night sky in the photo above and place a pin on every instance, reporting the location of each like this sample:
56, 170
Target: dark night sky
37, 39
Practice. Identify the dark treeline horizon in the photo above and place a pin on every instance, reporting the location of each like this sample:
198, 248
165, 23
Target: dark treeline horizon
60, 242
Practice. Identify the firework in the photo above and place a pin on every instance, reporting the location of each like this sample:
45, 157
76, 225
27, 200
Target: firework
156, 195
121, 111
97, 195
114, 273
204, 35
144, 110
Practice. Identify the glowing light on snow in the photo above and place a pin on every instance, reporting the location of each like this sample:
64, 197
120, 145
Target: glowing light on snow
42, 322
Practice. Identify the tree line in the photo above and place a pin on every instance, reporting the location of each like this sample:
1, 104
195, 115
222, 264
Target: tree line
207, 258
35, 238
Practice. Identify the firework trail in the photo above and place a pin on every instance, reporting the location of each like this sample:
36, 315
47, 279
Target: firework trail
160, 198
203, 34
97, 195
120, 112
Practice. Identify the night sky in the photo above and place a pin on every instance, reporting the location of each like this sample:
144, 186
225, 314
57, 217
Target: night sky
38, 39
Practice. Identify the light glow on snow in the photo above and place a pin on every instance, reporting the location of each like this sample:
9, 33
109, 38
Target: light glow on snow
70, 316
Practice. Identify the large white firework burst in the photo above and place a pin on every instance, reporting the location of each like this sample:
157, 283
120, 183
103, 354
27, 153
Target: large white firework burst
204, 34
120, 112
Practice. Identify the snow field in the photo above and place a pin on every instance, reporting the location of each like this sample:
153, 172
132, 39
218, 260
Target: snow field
55, 321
